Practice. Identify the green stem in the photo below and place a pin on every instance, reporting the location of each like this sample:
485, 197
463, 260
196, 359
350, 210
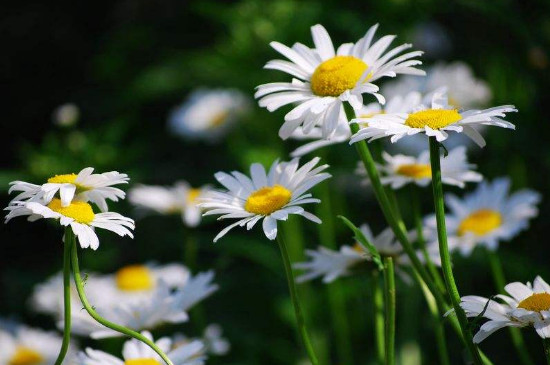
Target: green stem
70, 240
389, 303
302, 329
190, 249
515, 333
417, 214
378, 306
66, 298
444, 250
546, 344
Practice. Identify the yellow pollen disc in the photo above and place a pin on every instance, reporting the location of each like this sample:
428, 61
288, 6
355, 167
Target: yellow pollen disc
193, 194
141, 362
416, 171
537, 302
63, 179
267, 200
358, 248
433, 118
134, 278
334, 76
81, 212
219, 119
480, 222
26, 356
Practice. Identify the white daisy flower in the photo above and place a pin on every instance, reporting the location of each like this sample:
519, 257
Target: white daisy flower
326, 78
178, 199
215, 343
28, 346
331, 264
66, 115
486, 216
78, 215
434, 119
527, 306
269, 196
400, 170
463, 88
135, 352
397, 104
208, 114
84, 186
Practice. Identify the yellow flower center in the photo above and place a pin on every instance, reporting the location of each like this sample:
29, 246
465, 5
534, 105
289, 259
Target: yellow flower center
141, 362
480, 222
67, 179
433, 118
219, 119
26, 356
416, 171
537, 302
81, 212
192, 195
334, 76
357, 247
134, 278
267, 200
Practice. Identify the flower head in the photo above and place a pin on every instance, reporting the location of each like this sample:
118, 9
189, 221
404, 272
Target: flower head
486, 216
269, 196
400, 170
527, 306
434, 119
178, 199
208, 114
326, 77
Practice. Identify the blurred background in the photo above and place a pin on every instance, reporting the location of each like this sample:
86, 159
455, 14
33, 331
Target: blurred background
126, 65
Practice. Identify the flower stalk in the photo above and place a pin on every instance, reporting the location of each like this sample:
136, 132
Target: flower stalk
389, 304
378, 307
66, 297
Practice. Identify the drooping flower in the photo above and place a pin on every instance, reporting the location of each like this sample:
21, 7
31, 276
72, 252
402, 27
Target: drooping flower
178, 199
84, 186
527, 306
434, 119
400, 170
135, 352
269, 196
325, 78
208, 114
487, 216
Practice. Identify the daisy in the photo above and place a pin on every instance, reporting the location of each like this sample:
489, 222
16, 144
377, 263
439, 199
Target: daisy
326, 78
208, 114
214, 342
269, 196
78, 215
330, 264
66, 115
486, 216
527, 306
397, 104
400, 170
84, 186
433, 119
463, 88
28, 346
178, 199
135, 352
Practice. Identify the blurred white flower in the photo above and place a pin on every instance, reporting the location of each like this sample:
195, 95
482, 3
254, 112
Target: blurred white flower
215, 343
208, 114
66, 115
178, 199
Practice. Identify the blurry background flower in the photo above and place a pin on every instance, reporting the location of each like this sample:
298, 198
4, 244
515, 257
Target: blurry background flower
66, 115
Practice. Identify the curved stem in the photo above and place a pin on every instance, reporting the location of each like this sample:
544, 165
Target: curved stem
444, 250
515, 333
302, 329
115, 327
389, 304
378, 306
66, 297
546, 344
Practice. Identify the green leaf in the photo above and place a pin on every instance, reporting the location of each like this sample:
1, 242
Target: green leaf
360, 237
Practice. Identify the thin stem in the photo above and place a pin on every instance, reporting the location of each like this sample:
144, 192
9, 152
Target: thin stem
417, 214
82, 295
378, 306
389, 303
500, 281
444, 250
302, 329
546, 344
66, 298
